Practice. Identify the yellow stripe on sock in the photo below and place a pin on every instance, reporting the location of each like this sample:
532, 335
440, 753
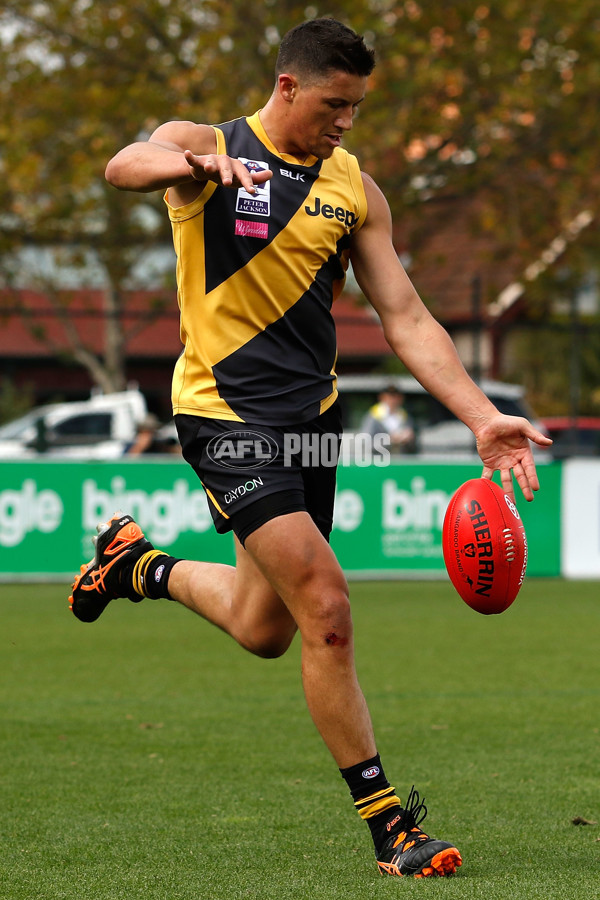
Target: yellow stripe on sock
139, 570
365, 801
377, 803
378, 807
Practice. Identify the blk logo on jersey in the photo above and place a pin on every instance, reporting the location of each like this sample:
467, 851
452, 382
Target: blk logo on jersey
259, 203
293, 176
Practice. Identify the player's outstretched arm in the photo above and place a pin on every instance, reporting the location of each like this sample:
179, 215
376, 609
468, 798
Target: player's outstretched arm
428, 352
178, 154
160, 162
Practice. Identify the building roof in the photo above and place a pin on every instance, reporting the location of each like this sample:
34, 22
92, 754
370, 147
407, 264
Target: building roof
452, 253
32, 327
458, 264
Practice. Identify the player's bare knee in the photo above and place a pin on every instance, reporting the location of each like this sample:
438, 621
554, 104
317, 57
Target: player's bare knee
269, 648
267, 643
329, 620
272, 649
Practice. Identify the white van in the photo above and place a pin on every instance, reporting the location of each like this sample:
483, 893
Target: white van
99, 428
438, 433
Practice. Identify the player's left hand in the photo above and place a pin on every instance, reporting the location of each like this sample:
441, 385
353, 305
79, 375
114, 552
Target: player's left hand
503, 445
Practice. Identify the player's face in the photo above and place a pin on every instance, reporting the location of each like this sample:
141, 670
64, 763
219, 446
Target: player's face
322, 111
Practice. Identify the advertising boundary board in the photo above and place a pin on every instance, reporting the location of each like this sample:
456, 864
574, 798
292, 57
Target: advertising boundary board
388, 519
580, 519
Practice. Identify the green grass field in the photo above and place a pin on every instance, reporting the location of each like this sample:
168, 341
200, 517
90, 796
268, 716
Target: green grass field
146, 756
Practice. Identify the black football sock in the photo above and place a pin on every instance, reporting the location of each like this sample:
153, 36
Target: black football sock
150, 574
374, 798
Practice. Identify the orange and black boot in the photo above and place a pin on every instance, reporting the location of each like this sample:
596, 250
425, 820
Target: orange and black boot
119, 544
409, 851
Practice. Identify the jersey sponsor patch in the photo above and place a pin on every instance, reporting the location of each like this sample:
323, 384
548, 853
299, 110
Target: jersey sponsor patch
258, 204
346, 216
247, 228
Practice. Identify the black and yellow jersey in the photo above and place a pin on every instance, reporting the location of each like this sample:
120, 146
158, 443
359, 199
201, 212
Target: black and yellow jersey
257, 275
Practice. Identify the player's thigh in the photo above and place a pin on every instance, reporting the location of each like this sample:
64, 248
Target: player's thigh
301, 567
261, 619
252, 588
319, 478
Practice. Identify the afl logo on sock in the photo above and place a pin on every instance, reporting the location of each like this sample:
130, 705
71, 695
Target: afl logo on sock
159, 573
371, 772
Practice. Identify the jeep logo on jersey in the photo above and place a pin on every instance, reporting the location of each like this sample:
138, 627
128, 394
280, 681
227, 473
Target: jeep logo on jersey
242, 450
345, 216
258, 204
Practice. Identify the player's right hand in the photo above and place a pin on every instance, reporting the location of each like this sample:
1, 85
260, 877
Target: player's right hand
224, 170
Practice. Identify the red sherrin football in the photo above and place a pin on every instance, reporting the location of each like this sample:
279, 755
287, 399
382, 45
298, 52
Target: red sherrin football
485, 548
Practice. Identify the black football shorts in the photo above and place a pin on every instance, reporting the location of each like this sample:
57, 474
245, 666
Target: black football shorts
253, 473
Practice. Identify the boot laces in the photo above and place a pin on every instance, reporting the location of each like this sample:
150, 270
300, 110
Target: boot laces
406, 831
414, 811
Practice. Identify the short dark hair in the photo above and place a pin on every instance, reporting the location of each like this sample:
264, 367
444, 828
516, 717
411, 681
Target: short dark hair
321, 45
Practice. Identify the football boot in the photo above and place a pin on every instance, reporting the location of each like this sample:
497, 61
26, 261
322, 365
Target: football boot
409, 851
120, 542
